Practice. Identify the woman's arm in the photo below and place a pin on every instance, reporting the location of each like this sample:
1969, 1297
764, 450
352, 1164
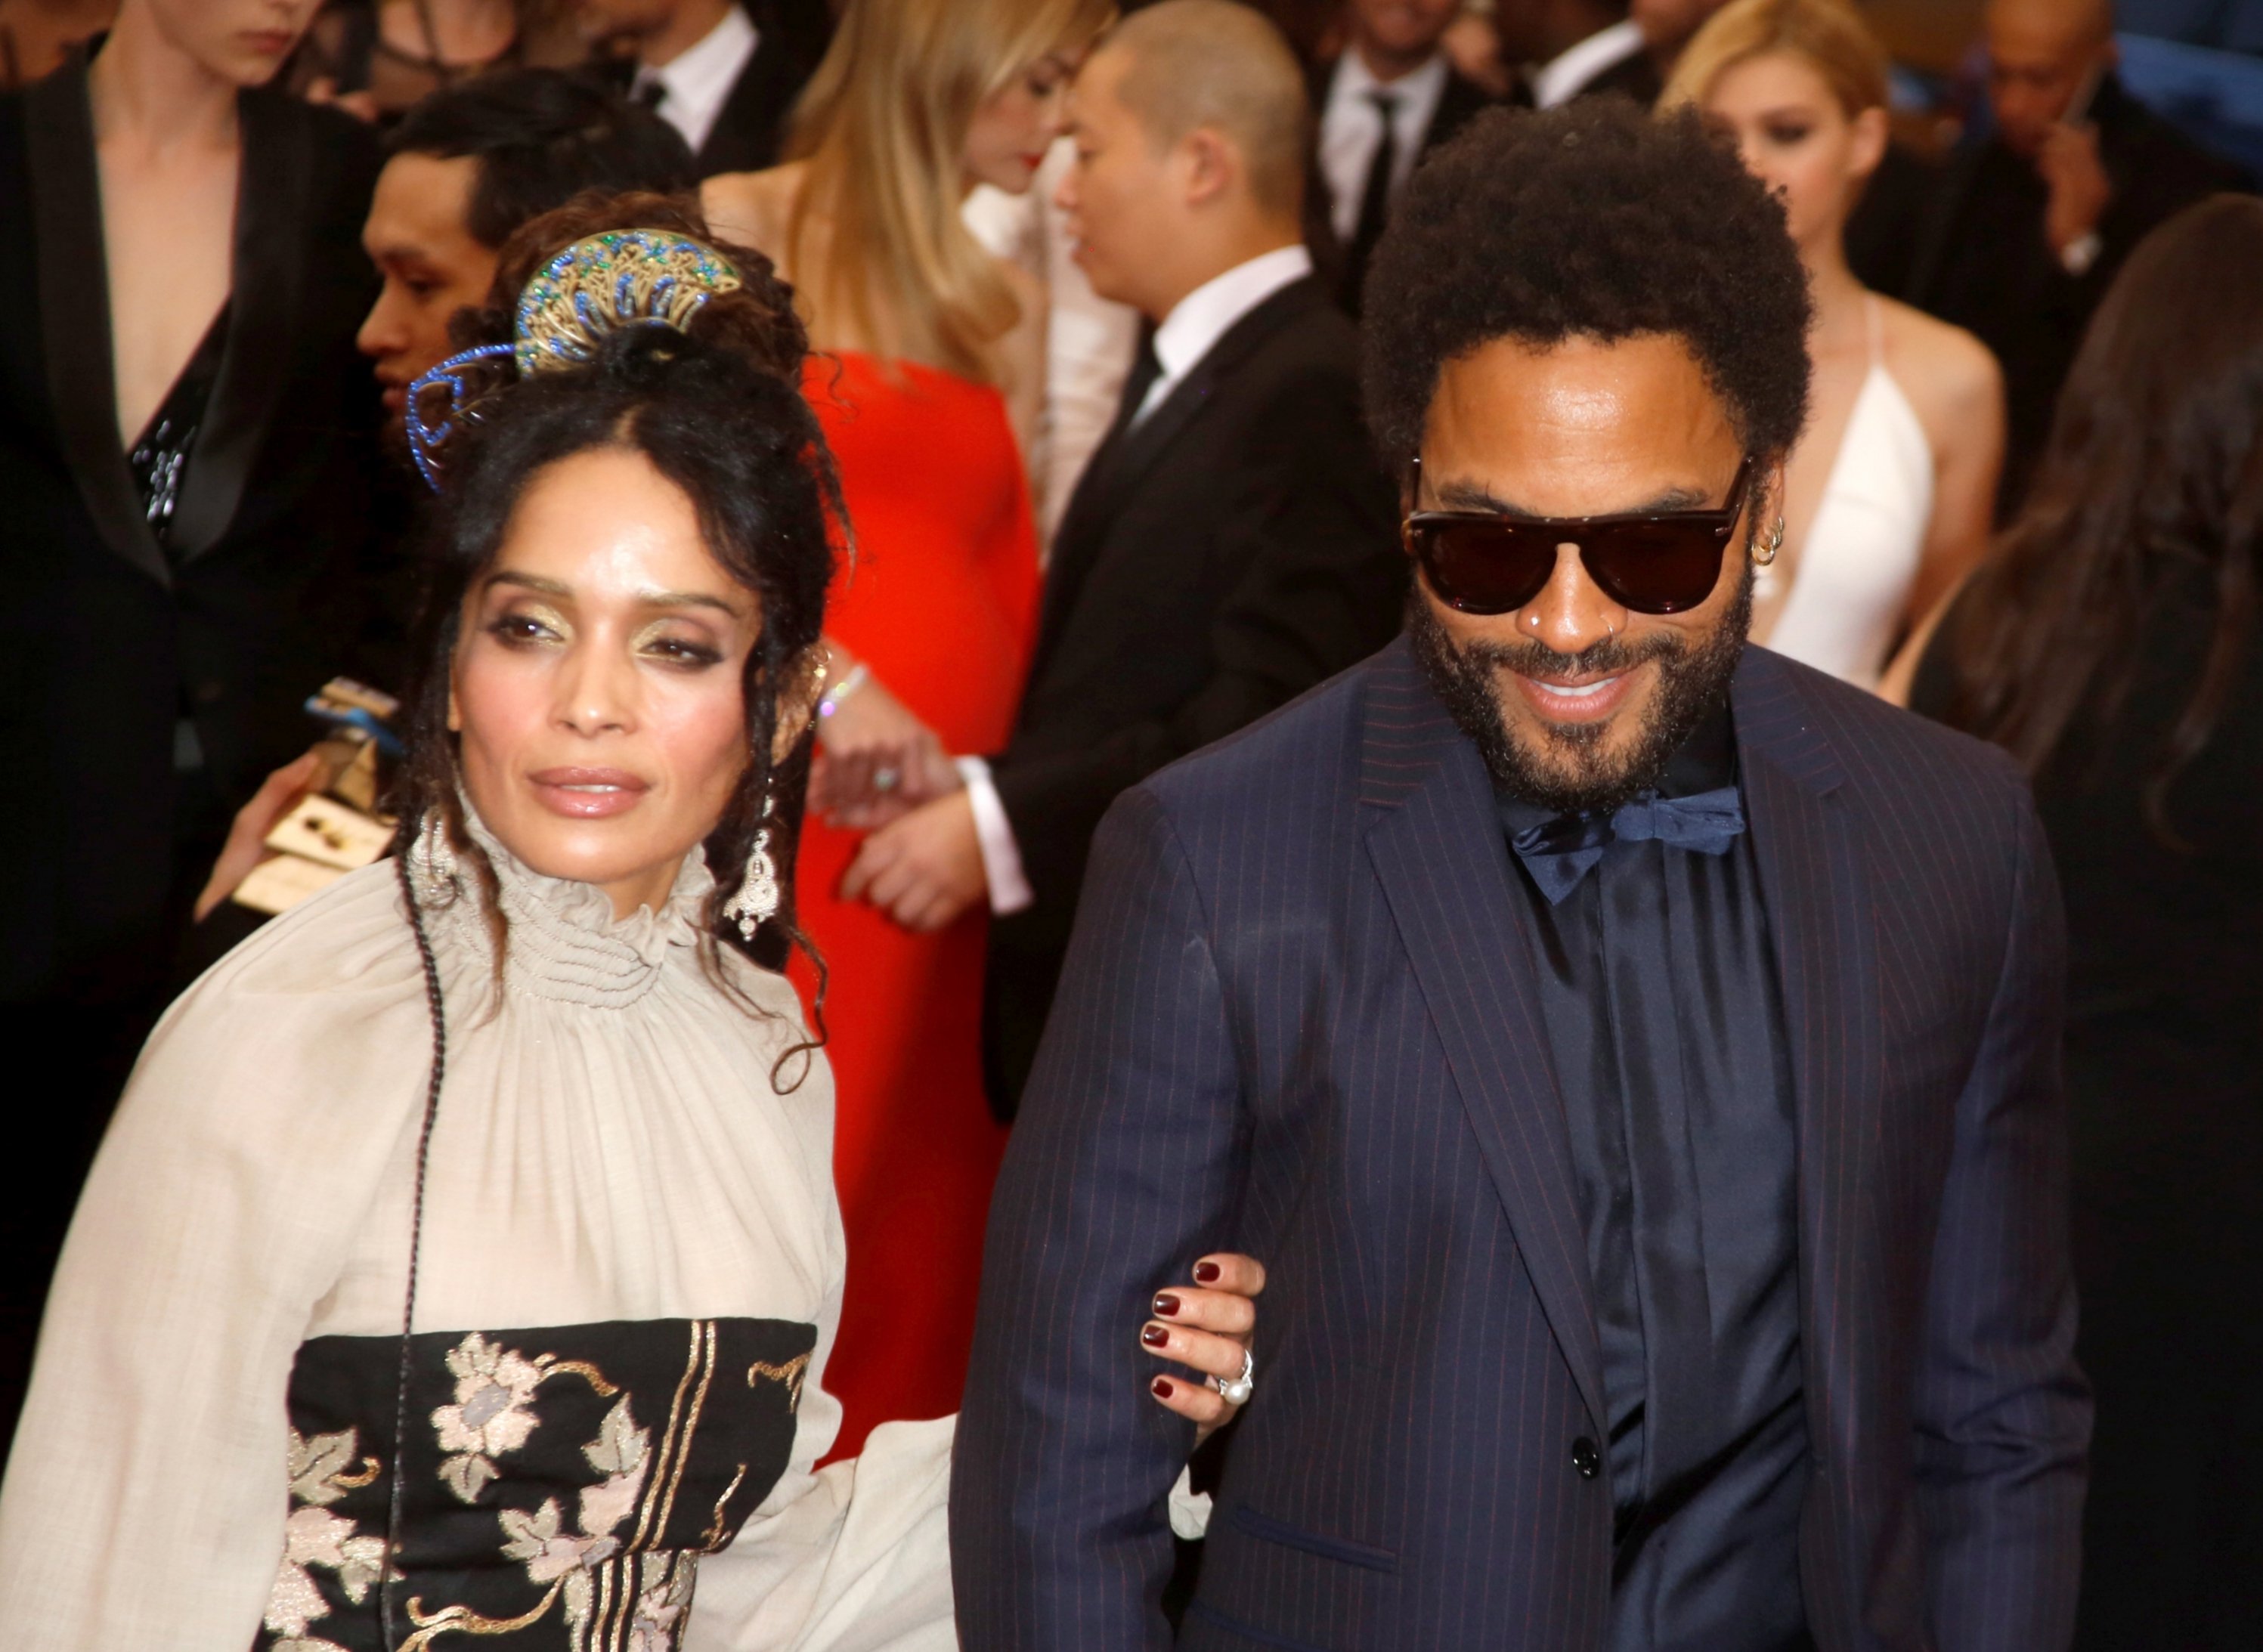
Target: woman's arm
1962, 408
146, 1497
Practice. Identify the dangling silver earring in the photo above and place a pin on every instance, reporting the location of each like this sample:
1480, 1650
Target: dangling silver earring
757, 901
1765, 551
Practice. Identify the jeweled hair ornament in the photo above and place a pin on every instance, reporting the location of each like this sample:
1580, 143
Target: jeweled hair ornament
603, 282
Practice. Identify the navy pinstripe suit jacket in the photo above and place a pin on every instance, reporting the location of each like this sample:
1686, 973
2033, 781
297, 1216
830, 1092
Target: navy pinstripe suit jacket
1298, 1017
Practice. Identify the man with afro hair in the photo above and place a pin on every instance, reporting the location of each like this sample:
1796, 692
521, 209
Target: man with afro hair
1634, 1055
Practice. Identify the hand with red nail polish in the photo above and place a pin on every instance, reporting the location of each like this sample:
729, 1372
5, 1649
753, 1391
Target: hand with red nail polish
1211, 1325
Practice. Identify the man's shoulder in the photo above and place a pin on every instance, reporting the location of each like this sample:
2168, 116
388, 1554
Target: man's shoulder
1894, 760
2161, 160
1300, 329
1312, 741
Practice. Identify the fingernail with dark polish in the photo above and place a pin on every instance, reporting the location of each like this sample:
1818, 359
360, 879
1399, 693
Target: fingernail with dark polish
1168, 1305
1206, 1272
1154, 1336
1160, 1387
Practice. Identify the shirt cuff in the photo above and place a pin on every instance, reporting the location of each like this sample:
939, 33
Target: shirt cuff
1001, 856
1190, 1509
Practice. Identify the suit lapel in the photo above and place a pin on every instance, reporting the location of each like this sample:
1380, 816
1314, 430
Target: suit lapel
1814, 884
266, 285
75, 312
1128, 451
1436, 847
1083, 527
744, 137
1137, 450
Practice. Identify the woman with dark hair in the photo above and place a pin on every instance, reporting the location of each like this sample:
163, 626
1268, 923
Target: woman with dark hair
465, 1259
2109, 644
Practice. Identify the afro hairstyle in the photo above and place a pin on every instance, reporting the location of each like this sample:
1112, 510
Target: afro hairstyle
1595, 221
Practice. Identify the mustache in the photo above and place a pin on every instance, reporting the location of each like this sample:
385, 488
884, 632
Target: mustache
1609, 657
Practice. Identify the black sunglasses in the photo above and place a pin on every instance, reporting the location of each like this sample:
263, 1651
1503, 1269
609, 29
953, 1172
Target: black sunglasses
1650, 561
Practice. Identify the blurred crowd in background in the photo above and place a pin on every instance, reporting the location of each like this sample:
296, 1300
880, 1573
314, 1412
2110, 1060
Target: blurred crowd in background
235, 232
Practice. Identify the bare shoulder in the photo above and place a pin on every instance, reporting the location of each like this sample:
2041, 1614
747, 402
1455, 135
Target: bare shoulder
754, 208
1950, 377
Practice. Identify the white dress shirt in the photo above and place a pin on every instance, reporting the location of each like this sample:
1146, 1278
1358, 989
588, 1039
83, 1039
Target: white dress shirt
1206, 314
1351, 128
1189, 333
1562, 78
696, 82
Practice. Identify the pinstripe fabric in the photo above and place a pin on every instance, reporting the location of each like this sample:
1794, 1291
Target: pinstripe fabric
1297, 1018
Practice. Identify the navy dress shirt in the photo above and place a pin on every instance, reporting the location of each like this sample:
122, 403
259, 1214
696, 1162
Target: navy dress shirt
1657, 989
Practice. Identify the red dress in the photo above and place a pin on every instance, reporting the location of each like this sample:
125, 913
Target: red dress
943, 605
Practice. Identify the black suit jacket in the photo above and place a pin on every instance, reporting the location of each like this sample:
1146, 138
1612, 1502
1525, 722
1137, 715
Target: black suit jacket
750, 131
1981, 259
105, 642
1299, 1019
1236, 547
1636, 77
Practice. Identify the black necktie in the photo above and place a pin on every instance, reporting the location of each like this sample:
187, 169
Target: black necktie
1146, 368
651, 95
1374, 199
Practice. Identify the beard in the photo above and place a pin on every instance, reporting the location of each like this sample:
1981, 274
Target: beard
1571, 772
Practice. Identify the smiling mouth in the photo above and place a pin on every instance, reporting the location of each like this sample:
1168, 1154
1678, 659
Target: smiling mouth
1587, 702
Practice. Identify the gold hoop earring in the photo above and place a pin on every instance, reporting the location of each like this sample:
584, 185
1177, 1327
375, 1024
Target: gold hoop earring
1764, 552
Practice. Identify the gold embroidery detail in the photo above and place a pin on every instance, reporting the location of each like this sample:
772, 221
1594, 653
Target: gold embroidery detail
464, 1620
790, 1374
714, 1537
581, 1368
703, 1361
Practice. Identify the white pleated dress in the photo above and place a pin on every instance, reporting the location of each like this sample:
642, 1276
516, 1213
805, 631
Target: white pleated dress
630, 1276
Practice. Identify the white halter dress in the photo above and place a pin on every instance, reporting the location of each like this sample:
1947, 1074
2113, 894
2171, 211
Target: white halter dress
1851, 582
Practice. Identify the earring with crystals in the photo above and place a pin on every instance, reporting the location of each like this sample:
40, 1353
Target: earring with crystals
1764, 552
757, 901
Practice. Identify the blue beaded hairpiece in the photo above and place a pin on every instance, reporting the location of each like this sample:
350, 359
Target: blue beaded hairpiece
623, 277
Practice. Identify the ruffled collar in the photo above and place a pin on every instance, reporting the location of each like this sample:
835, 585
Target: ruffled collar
564, 941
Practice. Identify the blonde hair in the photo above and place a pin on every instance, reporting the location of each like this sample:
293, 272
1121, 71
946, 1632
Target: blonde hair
883, 126
1829, 35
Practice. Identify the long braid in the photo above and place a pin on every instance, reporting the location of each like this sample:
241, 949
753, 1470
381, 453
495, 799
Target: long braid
438, 1009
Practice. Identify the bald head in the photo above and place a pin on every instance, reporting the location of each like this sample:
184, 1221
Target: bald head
1186, 65
2043, 57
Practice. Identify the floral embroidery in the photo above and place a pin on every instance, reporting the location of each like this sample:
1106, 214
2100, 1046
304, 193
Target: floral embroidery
622, 1453
662, 1607
543, 1516
324, 1469
494, 1412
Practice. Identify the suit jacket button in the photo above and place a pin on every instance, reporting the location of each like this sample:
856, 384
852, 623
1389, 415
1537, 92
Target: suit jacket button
1585, 1458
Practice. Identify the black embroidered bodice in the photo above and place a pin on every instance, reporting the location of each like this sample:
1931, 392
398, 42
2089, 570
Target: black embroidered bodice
560, 1485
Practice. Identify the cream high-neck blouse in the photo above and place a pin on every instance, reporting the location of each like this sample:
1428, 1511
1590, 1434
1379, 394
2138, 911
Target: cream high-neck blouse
629, 1280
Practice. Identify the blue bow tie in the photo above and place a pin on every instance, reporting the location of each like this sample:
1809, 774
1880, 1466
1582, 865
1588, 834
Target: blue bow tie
1558, 853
